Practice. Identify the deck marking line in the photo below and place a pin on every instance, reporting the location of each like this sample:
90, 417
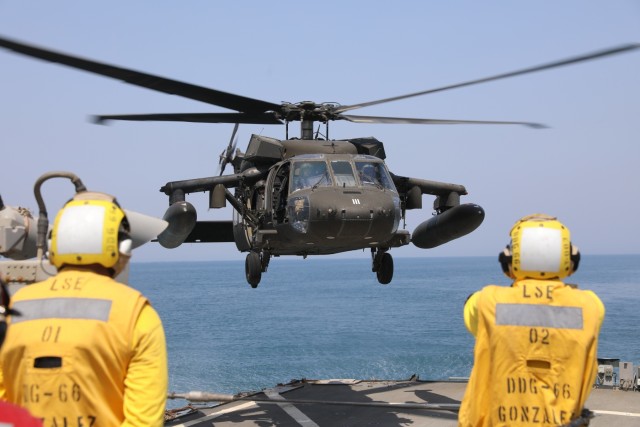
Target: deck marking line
217, 414
291, 410
622, 414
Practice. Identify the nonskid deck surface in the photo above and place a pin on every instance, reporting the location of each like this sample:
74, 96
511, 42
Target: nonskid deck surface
381, 403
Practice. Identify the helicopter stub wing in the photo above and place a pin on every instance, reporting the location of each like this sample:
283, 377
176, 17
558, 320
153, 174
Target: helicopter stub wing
182, 216
452, 221
436, 188
206, 184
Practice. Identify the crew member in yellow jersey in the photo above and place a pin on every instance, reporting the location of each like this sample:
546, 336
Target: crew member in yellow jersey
535, 356
11, 415
87, 350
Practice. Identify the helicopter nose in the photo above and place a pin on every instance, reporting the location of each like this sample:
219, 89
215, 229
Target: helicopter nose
345, 217
369, 218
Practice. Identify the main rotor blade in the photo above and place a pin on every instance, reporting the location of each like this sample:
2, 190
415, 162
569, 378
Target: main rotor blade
227, 153
252, 118
402, 120
233, 135
581, 58
150, 81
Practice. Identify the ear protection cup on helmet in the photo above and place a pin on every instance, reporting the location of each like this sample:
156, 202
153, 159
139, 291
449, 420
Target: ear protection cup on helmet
505, 258
575, 258
125, 244
124, 247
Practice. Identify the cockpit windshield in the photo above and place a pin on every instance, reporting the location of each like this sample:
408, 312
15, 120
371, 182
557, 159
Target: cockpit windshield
309, 175
343, 172
374, 173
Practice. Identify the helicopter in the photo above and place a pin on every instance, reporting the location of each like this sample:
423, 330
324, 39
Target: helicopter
306, 195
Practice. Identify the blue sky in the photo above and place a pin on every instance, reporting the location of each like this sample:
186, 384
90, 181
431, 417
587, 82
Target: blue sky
584, 168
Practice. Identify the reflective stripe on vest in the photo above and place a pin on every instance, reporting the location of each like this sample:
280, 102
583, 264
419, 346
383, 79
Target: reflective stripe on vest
539, 315
62, 308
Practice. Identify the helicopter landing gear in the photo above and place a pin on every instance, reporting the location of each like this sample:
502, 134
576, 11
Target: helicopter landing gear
382, 265
254, 265
253, 268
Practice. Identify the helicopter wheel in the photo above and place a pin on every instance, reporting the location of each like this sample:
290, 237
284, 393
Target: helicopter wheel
385, 269
253, 268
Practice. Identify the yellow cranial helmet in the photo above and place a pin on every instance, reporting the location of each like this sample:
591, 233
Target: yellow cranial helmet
540, 249
90, 229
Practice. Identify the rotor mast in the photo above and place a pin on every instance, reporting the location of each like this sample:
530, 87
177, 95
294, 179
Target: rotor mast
308, 112
306, 129
308, 117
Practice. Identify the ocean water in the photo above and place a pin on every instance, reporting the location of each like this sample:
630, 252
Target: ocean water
327, 317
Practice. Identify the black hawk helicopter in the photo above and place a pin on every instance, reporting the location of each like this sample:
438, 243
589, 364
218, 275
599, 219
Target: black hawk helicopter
308, 195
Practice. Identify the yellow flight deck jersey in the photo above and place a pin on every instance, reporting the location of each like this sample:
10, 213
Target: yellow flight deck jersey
85, 351
535, 357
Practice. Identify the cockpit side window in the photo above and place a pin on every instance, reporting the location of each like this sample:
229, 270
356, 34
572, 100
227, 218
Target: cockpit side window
343, 172
309, 175
374, 173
